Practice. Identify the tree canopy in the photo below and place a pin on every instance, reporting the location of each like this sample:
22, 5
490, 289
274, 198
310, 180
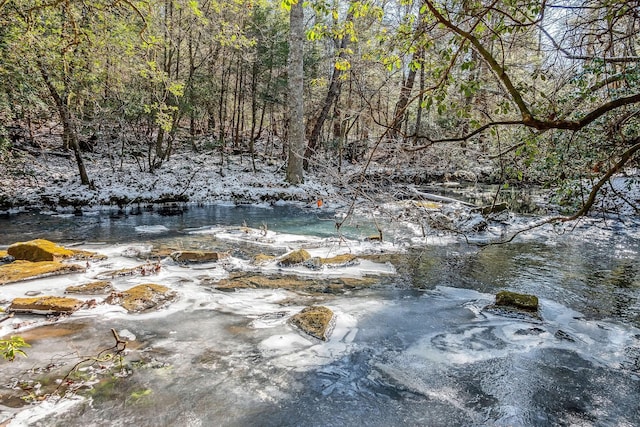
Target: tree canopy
544, 92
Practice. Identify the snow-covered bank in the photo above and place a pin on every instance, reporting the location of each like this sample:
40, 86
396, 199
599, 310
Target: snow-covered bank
385, 194
51, 182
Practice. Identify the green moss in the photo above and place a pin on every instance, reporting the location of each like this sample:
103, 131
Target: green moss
520, 301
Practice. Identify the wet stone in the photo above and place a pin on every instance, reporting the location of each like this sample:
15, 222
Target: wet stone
94, 288
294, 258
197, 256
144, 297
45, 305
262, 259
317, 321
24, 270
39, 250
518, 301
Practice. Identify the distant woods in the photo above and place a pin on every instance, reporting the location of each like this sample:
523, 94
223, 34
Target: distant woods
536, 91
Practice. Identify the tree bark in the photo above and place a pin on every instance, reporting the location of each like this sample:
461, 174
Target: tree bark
69, 136
295, 173
332, 95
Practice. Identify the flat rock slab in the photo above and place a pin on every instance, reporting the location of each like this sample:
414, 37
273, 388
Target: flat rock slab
94, 288
144, 297
344, 260
293, 283
317, 321
197, 256
140, 270
45, 305
25, 270
38, 250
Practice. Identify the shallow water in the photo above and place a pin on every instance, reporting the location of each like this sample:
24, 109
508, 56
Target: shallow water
419, 348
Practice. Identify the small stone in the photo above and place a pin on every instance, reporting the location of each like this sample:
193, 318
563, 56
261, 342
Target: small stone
262, 259
317, 321
94, 288
343, 260
197, 256
294, 258
520, 301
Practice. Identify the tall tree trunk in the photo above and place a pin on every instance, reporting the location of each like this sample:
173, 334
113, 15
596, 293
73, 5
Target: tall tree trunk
399, 113
295, 173
332, 95
69, 133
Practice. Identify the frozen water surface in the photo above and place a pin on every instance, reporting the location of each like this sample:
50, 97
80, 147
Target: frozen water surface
418, 347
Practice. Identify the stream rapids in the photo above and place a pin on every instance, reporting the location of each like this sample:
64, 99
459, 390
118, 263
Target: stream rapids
417, 348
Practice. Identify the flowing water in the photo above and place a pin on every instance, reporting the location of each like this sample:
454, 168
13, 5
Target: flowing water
418, 348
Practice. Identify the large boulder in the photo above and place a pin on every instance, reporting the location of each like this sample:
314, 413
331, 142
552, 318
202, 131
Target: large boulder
25, 270
45, 305
317, 321
143, 297
39, 250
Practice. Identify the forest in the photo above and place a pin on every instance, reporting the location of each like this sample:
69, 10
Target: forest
510, 92
242, 212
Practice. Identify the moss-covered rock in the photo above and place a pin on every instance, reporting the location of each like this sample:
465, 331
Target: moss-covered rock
38, 250
262, 259
294, 258
317, 321
519, 301
143, 297
24, 270
147, 269
343, 260
45, 305
94, 288
87, 255
197, 256
292, 283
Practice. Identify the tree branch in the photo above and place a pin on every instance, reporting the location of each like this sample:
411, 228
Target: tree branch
527, 117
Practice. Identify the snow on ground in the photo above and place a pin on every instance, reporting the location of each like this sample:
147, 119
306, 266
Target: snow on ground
50, 181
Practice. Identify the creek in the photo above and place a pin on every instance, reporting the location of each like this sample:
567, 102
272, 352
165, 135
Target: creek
417, 348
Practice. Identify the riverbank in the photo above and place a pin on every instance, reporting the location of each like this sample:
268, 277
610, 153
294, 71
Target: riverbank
434, 202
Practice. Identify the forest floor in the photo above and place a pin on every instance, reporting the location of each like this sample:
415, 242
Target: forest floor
44, 177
